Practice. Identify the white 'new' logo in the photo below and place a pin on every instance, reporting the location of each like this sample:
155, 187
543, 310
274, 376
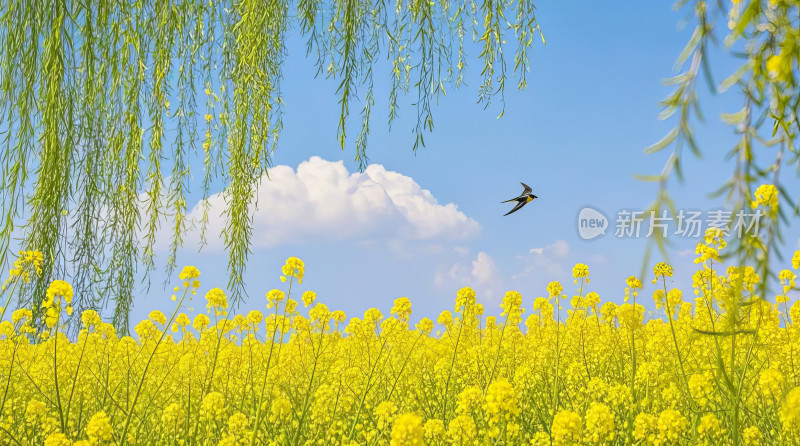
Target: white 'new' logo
591, 223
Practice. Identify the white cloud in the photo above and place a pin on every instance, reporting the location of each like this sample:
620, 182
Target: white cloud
547, 261
461, 250
321, 200
482, 275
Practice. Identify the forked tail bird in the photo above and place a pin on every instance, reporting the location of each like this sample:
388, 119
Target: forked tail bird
524, 198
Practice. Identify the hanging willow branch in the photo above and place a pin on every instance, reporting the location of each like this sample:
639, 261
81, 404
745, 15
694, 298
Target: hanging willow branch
764, 34
103, 101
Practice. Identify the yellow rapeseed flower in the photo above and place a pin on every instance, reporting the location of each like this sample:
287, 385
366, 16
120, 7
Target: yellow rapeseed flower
90, 318
52, 302
281, 410
57, 439
58, 288
308, 298
274, 297
554, 289
770, 384
216, 299
465, 299
672, 426
238, 423
434, 430
789, 413
34, 411
189, 273
201, 321
21, 316
566, 429
99, 428
662, 270
407, 430
385, 413
27, 262
752, 436
462, 430
425, 326
469, 399
600, 426
645, 428
338, 316
402, 308
701, 388
540, 439
787, 279
608, 311
293, 267
512, 307
580, 271
766, 195
213, 407
157, 316
501, 400
710, 430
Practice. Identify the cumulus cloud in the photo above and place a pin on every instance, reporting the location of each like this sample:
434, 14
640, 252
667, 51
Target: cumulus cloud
545, 261
481, 274
321, 200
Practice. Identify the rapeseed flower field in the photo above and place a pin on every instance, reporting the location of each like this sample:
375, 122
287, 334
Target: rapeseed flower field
721, 367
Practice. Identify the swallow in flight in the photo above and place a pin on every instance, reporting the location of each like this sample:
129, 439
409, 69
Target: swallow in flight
525, 198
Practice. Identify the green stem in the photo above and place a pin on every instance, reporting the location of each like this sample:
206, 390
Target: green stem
675, 340
257, 424
366, 390
735, 394
403, 367
77, 369
450, 372
10, 371
220, 333
499, 345
558, 355
633, 348
124, 436
55, 376
307, 399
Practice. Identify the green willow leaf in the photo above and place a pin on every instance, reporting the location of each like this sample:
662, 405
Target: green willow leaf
663, 142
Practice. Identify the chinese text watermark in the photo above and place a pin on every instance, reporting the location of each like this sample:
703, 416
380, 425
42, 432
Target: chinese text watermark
686, 223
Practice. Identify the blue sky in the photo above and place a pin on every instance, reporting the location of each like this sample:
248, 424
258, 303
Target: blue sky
575, 136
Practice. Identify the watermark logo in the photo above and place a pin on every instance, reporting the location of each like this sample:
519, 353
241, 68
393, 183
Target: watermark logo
685, 224
591, 223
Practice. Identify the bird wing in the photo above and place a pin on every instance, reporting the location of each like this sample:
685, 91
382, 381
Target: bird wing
527, 189
516, 208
